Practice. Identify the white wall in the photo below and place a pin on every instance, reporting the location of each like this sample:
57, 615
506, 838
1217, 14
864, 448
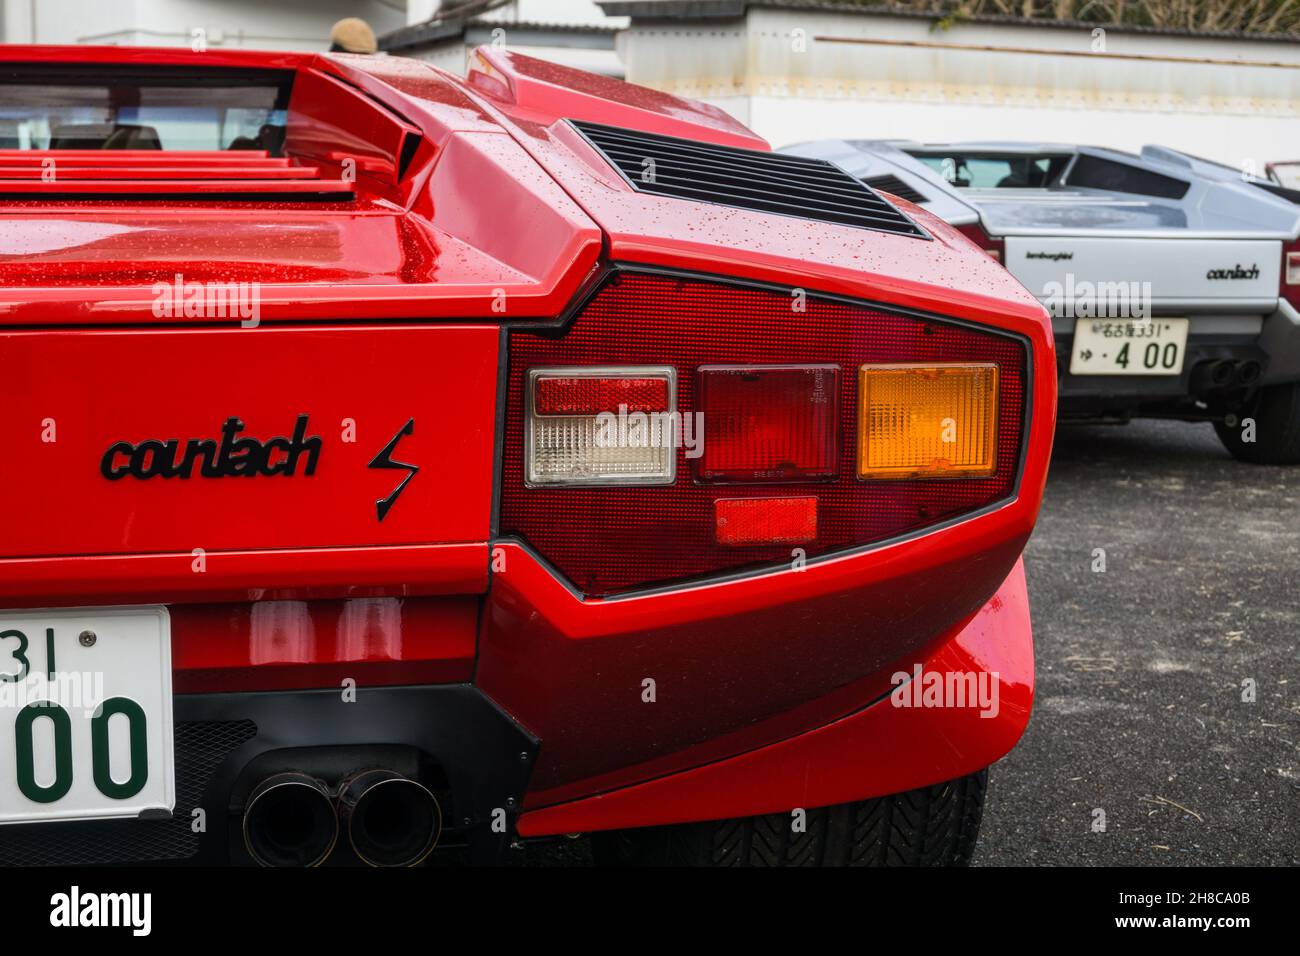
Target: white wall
258, 24
572, 12
454, 57
511, 26
780, 73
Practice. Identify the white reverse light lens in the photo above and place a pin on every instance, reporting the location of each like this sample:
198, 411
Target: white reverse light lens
601, 425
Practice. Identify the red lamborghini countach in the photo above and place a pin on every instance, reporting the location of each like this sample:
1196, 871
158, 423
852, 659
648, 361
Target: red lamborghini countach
400, 466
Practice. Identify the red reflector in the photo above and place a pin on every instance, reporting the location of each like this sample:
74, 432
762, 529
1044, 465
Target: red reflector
769, 422
591, 396
742, 521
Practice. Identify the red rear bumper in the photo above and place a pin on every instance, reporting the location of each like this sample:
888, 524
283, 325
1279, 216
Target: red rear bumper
879, 749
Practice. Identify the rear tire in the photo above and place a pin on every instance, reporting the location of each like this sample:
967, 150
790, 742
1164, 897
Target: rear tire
932, 826
1276, 411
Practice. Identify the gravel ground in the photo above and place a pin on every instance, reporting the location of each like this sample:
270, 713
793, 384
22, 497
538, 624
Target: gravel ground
1139, 710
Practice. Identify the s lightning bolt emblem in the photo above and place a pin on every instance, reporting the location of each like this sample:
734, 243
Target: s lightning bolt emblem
385, 460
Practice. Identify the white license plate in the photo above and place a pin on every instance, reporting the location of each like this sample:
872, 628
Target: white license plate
1129, 346
85, 714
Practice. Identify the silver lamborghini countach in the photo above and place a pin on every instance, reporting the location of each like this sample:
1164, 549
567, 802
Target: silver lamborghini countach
1173, 281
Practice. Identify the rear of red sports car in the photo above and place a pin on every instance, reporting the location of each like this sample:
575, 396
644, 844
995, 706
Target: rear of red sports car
399, 466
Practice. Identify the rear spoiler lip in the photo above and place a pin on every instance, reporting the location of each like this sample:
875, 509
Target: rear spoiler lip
192, 190
517, 82
300, 302
1168, 235
45, 54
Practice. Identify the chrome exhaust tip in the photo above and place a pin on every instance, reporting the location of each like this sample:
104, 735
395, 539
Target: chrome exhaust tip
290, 821
391, 820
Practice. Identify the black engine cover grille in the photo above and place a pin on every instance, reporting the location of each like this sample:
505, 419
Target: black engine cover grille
745, 179
892, 184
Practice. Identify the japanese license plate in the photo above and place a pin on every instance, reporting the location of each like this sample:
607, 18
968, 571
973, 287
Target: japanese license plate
1153, 346
85, 714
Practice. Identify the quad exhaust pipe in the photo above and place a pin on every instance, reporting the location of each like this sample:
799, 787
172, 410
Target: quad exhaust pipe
1223, 374
290, 821
390, 820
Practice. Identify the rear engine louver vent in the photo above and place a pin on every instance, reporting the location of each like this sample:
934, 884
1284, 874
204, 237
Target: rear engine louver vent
744, 179
94, 174
892, 184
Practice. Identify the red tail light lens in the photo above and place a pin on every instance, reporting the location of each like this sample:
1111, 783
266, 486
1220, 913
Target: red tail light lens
769, 423
611, 539
586, 395
1291, 272
994, 248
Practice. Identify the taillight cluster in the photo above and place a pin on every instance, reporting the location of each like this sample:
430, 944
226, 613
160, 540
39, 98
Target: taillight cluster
1291, 272
994, 248
684, 427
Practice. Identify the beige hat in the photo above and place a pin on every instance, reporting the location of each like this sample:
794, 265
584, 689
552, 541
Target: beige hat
354, 36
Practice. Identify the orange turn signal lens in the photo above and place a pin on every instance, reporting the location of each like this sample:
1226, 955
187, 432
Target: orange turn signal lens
927, 421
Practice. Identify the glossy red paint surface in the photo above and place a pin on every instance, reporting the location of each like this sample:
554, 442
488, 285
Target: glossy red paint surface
356, 387
218, 648
410, 245
874, 751
387, 307
74, 165
946, 276
92, 56
331, 122
736, 664
547, 90
282, 574
136, 186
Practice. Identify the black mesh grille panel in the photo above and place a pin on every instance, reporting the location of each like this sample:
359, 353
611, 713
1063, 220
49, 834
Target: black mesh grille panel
200, 748
744, 179
892, 184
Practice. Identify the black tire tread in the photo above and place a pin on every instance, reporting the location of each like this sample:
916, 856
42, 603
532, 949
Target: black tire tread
1276, 410
931, 826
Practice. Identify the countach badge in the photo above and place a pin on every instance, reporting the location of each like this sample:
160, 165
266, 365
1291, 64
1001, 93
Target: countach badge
228, 456
1236, 272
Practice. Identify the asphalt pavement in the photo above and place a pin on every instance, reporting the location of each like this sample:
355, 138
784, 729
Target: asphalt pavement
1142, 668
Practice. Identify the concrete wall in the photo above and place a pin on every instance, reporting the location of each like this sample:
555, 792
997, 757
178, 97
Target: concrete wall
454, 56
258, 24
792, 76
572, 12
535, 28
